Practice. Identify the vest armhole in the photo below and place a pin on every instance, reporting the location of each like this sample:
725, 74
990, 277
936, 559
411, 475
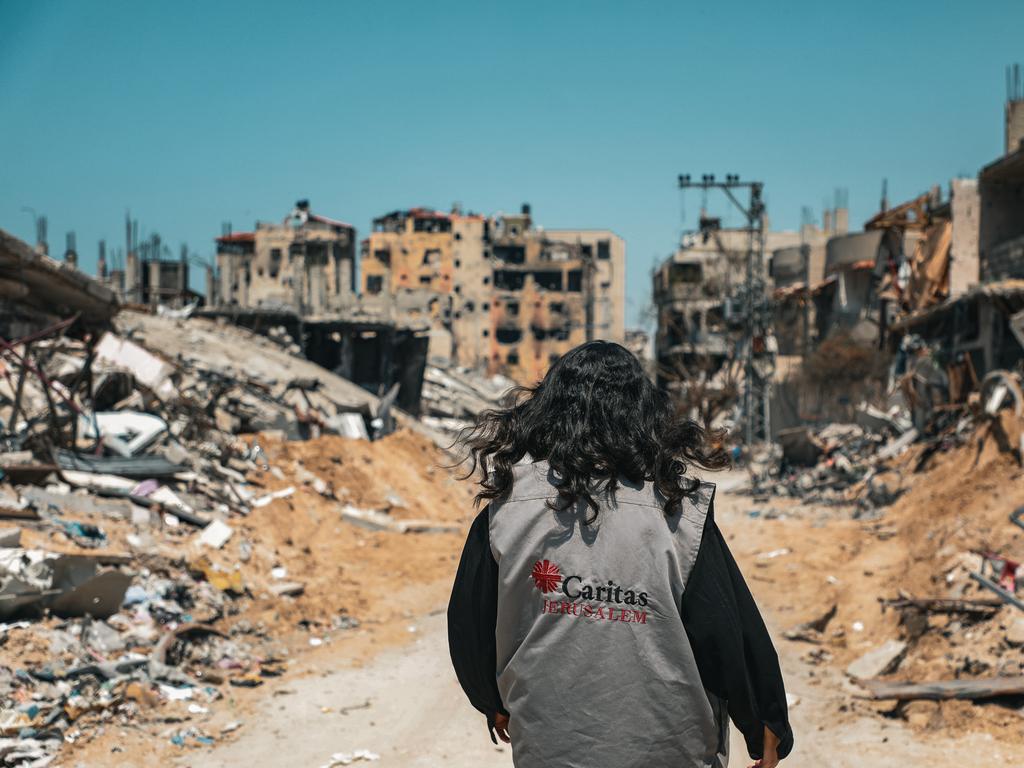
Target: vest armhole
703, 509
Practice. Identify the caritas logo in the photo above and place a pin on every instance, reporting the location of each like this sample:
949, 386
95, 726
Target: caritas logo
547, 577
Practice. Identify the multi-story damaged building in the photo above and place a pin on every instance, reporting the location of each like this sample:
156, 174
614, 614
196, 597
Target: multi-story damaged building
795, 271
696, 293
146, 271
427, 267
499, 293
304, 264
296, 280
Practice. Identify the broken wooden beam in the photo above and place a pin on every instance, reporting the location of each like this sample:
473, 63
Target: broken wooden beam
945, 605
981, 688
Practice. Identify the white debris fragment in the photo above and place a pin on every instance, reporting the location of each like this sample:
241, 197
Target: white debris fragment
216, 534
175, 694
262, 501
347, 758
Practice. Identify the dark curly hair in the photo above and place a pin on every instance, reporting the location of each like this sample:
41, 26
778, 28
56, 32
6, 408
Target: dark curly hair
595, 417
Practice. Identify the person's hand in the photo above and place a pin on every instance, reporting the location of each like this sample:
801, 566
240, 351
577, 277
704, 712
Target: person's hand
501, 727
770, 755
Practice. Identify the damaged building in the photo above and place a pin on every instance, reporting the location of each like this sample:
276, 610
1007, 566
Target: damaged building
305, 263
979, 328
37, 292
145, 272
1001, 226
908, 258
295, 282
498, 293
695, 294
794, 270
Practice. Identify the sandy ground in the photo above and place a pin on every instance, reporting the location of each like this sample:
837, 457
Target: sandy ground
405, 704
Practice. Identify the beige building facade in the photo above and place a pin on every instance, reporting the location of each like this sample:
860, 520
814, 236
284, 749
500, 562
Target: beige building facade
500, 294
305, 264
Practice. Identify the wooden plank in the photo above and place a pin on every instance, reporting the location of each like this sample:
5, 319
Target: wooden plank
982, 688
946, 605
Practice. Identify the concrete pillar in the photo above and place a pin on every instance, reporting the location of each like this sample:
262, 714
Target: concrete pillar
1014, 126
842, 221
965, 206
132, 279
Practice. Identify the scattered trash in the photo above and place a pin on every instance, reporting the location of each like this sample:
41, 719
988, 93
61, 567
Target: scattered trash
132, 451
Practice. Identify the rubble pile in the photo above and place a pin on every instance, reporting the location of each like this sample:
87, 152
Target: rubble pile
851, 465
922, 609
453, 397
148, 552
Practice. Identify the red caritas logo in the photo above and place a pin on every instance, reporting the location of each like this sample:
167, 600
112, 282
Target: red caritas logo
546, 576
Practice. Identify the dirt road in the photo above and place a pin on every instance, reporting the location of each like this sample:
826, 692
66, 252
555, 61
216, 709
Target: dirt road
406, 706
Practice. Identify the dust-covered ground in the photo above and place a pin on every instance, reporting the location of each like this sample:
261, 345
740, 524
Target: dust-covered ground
388, 687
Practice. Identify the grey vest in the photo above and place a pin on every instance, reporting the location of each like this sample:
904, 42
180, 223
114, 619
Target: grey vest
594, 664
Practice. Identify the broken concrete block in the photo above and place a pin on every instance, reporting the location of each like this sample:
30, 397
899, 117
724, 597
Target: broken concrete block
1015, 633
262, 501
57, 501
288, 588
125, 433
15, 505
176, 453
381, 521
10, 537
227, 422
147, 368
349, 425
141, 517
882, 660
895, 447
318, 484
216, 534
367, 518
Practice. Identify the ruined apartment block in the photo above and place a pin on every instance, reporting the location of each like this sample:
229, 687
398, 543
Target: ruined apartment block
425, 267
693, 293
304, 264
498, 293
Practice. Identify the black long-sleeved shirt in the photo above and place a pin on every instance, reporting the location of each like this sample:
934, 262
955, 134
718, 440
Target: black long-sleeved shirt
734, 653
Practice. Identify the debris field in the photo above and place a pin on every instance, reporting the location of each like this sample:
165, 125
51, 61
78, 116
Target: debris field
184, 506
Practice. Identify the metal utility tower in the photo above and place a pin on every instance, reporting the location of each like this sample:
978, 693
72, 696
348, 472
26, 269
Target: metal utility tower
752, 298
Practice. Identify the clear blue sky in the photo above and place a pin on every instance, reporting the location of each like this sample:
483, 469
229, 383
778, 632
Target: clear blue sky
196, 113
